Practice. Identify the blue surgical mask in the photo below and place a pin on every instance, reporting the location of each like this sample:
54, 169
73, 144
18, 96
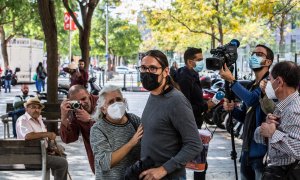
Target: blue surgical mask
199, 66
255, 62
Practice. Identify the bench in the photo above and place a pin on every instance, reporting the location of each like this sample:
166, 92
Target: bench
14, 154
5, 121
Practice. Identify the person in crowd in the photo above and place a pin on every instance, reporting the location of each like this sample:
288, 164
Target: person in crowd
41, 76
251, 113
7, 78
281, 131
115, 135
18, 105
173, 69
170, 136
189, 82
78, 75
30, 126
75, 121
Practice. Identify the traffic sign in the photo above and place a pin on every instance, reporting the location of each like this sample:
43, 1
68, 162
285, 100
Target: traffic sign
68, 22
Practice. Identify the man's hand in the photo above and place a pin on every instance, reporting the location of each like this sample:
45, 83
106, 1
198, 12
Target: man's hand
226, 74
154, 173
82, 115
137, 136
262, 85
51, 135
210, 104
272, 118
64, 109
267, 129
228, 106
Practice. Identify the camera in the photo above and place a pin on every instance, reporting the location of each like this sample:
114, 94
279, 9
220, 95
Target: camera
75, 104
226, 54
133, 171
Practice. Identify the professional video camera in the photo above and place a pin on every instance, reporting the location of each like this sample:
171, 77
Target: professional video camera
75, 104
226, 54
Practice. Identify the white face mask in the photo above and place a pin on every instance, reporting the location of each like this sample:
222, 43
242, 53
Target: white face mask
116, 110
270, 91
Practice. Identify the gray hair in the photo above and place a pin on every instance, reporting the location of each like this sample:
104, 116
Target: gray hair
101, 101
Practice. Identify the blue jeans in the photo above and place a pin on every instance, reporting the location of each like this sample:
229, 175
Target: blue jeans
38, 85
251, 168
7, 84
15, 115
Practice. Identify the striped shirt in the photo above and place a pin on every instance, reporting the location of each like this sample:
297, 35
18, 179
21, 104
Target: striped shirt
284, 145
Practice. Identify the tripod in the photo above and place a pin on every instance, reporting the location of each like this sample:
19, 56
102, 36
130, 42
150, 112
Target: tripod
230, 96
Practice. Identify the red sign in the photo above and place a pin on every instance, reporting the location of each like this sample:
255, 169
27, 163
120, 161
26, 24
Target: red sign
68, 22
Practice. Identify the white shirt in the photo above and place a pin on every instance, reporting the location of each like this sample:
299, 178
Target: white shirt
26, 124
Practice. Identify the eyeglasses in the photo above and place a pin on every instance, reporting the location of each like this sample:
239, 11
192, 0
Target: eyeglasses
151, 69
259, 54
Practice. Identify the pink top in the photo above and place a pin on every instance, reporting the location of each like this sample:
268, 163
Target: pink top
26, 124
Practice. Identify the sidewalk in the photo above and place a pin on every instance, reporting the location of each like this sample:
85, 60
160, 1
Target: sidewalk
220, 165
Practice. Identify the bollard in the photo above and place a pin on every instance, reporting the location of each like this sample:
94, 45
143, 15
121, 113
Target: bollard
296, 58
100, 80
278, 58
124, 86
103, 73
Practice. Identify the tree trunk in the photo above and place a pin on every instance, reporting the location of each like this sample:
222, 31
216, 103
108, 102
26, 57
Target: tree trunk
3, 46
47, 15
281, 32
213, 38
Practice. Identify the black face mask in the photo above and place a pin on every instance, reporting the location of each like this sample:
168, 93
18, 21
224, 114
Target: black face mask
150, 81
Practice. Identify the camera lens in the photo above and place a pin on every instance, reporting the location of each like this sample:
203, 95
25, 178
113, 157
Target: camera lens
76, 106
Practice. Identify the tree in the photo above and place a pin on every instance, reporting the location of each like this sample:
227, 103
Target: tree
48, 19
278, 14
87, 8
210, 18
16, 18
124, 39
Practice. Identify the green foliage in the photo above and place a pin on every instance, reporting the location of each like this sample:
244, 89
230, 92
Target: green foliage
20, 18
200, 23
124, 38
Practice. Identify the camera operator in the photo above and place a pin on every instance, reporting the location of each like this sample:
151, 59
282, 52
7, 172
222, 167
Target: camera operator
188, 79
251, 113
76, 121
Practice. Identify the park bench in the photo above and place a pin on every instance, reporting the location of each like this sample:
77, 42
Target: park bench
21, 155
50, 114
5, 120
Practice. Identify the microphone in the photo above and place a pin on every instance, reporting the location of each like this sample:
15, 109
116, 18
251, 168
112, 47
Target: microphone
235, 42
218, 97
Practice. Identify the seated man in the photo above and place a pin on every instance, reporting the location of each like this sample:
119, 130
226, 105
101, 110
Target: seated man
30, 126
18, 105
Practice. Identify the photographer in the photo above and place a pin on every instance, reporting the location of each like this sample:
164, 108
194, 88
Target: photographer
115, 136
188, 79
75, 121
251, 113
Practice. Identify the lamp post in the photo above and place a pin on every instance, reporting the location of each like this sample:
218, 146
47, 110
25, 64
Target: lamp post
106, 34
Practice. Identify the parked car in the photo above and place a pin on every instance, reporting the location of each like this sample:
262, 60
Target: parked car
125, 70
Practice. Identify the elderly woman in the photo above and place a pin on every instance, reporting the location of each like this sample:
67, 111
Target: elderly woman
115, 135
